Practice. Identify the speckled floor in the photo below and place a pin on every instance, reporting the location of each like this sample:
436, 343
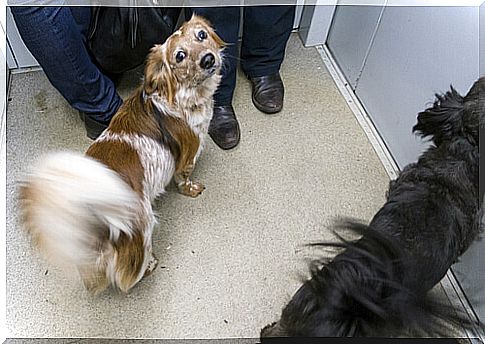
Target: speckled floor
230, 259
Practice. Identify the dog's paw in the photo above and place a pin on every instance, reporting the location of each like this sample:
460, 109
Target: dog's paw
192, 189
196, 189
152, 265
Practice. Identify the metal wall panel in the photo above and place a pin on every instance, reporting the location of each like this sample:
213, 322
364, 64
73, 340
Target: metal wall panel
315, 24
22, 55
417, 51
482, 39
298, 12
11, 64
350, 37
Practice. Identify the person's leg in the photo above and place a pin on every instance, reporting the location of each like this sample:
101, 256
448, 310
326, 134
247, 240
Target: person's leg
266, 32
224, 128
54, 36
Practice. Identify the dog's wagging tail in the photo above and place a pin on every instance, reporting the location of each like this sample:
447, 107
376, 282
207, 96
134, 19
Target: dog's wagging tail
379, 285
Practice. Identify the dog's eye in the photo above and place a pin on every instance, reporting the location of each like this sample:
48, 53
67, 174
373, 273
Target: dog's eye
180, 56
201, 35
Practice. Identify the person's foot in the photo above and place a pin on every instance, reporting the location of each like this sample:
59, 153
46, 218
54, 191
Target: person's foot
224, 128
268, 93
94, 128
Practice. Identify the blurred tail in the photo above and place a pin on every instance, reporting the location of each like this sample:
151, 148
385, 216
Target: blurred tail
374, 276
73, 207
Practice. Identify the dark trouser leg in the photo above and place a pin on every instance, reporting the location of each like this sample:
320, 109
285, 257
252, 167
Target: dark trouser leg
266, 32
55, 37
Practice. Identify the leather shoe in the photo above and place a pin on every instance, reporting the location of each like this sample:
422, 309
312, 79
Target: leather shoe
268, 93
94, 128
224, 128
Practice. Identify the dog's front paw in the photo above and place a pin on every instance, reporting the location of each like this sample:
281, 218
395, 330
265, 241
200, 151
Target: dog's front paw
152, 265
196, 189
192, 189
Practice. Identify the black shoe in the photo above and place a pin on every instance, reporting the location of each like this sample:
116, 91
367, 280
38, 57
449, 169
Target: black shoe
94, 128
224, 128
268, 93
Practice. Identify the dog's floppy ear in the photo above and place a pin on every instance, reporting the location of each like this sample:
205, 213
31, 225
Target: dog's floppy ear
158, 75
218, 40
444, 119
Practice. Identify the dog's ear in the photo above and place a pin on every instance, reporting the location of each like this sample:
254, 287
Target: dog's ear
444, 119
218, 40
158, 75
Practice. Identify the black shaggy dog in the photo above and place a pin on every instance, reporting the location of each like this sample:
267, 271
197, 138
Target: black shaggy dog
378, 284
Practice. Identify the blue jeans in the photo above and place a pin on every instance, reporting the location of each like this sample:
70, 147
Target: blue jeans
56, 37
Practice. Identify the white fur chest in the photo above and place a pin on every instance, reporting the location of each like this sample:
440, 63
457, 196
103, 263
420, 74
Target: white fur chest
199, 121
194, 109
157, 161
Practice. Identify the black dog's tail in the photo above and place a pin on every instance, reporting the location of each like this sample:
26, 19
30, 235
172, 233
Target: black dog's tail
444, 119
371, 289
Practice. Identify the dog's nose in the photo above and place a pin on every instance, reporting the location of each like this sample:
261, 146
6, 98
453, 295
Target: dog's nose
208, 61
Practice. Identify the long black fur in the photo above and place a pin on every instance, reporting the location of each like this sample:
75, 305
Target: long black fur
378, 285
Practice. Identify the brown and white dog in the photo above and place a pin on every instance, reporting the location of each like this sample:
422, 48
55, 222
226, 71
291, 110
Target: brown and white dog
94, 211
